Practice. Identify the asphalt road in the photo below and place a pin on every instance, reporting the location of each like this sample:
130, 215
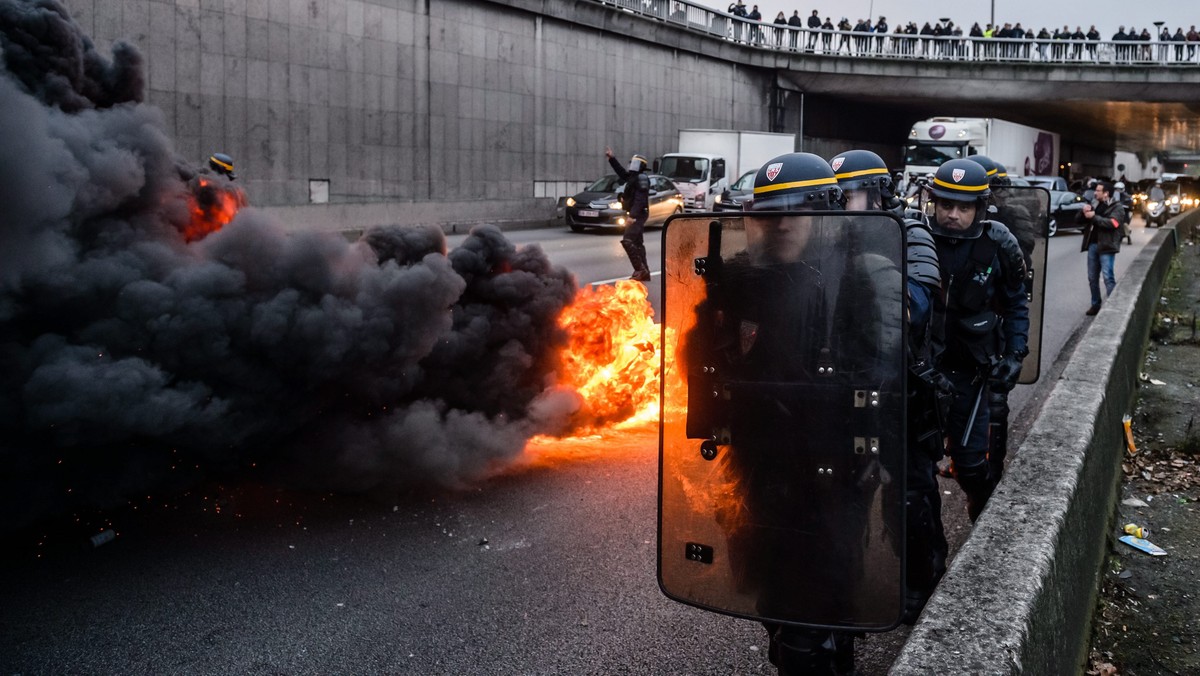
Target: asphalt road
547, 569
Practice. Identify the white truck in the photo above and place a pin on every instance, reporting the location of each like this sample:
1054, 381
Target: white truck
708, 160
1024, 151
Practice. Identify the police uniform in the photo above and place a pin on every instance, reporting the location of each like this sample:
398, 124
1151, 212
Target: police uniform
635, 199
981, 322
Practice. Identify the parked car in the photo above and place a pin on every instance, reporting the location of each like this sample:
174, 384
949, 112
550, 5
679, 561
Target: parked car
739, 191
599, 205
1064, 206
1049, 182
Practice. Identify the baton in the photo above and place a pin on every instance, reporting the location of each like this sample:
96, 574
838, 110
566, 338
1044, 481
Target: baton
974, 412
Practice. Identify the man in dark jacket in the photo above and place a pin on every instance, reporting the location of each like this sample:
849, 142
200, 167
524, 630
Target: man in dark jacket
814, 25
795, 23
1101, 240
636, 199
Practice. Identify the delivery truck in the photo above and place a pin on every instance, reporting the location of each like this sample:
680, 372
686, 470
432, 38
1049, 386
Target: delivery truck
708, 160
1023, 150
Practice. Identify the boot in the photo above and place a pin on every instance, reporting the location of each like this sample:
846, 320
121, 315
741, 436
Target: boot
637, 257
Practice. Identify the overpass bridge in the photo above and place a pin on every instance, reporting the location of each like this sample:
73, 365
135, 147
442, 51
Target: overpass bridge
1107, 95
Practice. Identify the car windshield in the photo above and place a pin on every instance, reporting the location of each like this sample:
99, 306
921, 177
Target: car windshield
689, 169
605, 184
926, 155
746, 182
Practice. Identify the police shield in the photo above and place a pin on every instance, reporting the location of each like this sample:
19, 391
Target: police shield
1025, 210
781, 485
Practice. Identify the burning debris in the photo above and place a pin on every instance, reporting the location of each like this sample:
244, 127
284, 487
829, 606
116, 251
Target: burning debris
156, 330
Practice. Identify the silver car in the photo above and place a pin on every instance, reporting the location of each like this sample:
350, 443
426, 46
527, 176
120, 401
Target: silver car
599, 205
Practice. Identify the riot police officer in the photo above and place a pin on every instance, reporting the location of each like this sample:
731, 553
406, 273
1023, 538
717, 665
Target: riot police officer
635, 198
981, 323
1022, 224
864, 178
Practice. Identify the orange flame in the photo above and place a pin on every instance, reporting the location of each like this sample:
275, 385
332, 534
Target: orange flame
613, 355
212, 205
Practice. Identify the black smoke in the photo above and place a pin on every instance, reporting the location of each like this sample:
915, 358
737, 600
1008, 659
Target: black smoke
133, 361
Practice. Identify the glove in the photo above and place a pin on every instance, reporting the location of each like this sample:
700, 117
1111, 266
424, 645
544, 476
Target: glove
1006, 371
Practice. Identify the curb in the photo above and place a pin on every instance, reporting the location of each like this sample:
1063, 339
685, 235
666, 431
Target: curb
1019, 596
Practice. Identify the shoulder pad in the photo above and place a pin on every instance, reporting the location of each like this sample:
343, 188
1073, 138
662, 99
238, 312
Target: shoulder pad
1012, 260
921, 253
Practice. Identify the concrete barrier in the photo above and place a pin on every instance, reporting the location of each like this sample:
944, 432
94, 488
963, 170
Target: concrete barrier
1019, 595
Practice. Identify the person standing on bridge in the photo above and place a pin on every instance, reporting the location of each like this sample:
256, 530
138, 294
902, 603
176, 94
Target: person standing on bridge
635, 198
795, 25
814, 25
981, 323
1101, 240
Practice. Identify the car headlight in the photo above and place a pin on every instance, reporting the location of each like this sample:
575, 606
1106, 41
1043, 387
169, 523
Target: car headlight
1175, 199
570, 201
717, 199
614, 205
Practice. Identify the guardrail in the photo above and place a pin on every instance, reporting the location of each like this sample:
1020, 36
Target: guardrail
858, 44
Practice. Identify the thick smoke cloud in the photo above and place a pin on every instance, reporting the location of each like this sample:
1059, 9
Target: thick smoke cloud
133, 361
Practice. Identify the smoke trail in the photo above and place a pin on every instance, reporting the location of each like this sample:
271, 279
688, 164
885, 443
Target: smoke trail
132, 360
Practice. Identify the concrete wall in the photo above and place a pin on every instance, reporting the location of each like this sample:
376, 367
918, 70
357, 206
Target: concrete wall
428, 104
1020, 594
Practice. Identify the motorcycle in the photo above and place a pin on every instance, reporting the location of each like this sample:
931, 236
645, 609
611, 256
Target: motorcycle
1158, 212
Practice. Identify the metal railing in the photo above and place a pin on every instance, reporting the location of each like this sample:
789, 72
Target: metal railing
1030, 50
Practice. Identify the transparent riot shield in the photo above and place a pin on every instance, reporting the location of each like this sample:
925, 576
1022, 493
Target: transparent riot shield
781, 485
1026, 212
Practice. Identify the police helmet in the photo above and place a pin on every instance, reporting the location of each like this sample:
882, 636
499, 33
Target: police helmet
961, 181
864, 170
222, 164
796, 181
637, 163
1119, 185
997, 174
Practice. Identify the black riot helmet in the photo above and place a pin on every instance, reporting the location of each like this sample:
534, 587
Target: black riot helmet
863, 170
963, 182
796, 182
637, 163
222, 164
997, 174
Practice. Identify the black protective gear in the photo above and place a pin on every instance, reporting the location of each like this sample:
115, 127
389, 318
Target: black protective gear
977, 483
222, 164
1005, 372
864, 170
635, 197
997, 434
637, 257
800, 652
796, 182
922, 258
637, 163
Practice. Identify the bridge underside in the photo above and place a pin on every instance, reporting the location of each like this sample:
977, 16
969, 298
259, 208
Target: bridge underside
1146, 112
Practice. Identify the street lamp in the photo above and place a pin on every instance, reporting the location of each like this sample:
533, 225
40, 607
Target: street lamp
993, 14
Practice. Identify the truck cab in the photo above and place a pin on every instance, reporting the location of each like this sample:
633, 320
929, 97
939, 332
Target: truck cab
933, 142
700, 177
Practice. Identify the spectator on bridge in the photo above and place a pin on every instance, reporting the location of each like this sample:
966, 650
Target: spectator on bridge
926, 35
1119, 37
880, 29
781, 26
1145, 38
1020, 49
1163, 38
794, 25
738, 10
678, 15
1179, 38
756, 36
1101, 240
1043, 44
814, 25
1077, 49
976, 32
844, 39
826, 34
1192, 37
1093, 35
